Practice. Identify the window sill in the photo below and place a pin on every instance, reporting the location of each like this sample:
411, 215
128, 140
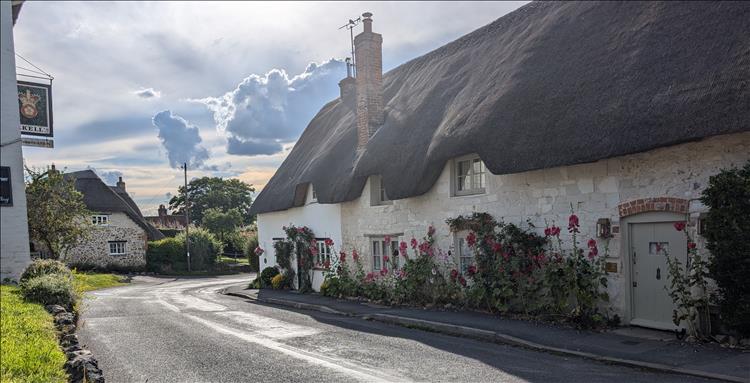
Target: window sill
470, 193
118, 255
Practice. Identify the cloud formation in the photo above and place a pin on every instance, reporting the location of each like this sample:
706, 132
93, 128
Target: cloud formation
180, 139
147, 93
266, 111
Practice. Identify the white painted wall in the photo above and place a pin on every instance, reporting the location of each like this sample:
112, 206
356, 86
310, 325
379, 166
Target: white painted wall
323, 219
14, 229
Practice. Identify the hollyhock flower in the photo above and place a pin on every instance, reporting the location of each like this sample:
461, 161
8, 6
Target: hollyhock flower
554, 231
462, 281
327, 264
430, 231
414, 243
471, 239
691, 245
342, 257
547, 232
329, 242
454, 275
314, 250
383, 271
386, 258
355, 255
402, 249
573, 223
387, 239
369, 277
592, 243
497, 247
424, 247
593, 252
471, 270
679, 226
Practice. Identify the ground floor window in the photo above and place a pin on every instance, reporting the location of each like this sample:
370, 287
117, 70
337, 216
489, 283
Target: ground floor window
324, 252
465, 254
380, 248
117, 247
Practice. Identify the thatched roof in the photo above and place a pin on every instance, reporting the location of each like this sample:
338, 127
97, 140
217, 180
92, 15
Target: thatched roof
99, 197
550, 84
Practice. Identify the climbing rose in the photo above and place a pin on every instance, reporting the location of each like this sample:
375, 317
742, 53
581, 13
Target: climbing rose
259, 251
679, 226
691, 245
342, 257
462, 281
414, 243
313, 250
497, 247
385, 258
573, 223
471, 270
327, 264
471, 239
329, 242
454, 274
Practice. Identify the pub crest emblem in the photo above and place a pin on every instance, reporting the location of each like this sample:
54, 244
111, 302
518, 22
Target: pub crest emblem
29, 102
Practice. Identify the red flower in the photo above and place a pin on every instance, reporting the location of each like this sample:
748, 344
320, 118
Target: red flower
462, 281
387, 240
679, 226
592, 243
414, 243
547, 232
593, 252
424, 247
497, 247
383, 271
691, 245
342, 257
327, 264
454, 274
554, 231
573, 223
329, 242
430, 231
259, 251
471, 239
385, 258
402, 249
355, 255
471, 270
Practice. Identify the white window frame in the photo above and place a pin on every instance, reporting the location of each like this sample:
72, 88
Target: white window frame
312, 195
476, 176
100, 219
324, 251
120, 247
378, 195
464, 254
378, 248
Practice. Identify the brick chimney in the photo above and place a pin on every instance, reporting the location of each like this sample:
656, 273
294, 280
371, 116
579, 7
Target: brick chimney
348, 86
120, 184
369, 60
162, 211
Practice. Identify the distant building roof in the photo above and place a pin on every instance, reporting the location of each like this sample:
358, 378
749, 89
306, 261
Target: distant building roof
167, 221
102, 198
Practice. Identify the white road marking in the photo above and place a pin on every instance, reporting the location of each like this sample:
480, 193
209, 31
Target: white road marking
353, 370
269, 327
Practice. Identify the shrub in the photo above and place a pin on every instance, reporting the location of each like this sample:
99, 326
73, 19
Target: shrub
49, 289
278, 281
204, 248
249, 250
267, 275
727, 231
166, 255
42, 267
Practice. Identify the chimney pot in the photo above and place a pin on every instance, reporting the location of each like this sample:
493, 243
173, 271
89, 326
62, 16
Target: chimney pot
367, 21
120, 184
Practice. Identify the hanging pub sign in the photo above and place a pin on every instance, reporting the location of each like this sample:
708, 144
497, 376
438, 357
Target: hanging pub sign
6, 192
35, 107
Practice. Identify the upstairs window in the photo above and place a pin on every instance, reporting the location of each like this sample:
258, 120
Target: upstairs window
377, 192
100, 220
117, 247
469, 176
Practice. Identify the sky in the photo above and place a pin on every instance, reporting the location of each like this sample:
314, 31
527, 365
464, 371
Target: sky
140, 88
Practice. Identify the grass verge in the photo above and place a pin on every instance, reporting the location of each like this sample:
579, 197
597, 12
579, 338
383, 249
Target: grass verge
29, 351
84, 281
241, 260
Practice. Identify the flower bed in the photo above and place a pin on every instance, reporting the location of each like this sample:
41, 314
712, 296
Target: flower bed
515, 272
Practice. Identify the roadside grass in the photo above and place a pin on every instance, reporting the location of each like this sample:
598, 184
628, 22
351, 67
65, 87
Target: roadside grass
29, 351
241, 260
85, 281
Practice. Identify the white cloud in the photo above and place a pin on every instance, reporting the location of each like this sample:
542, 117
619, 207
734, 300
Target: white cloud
147, 93
180, 139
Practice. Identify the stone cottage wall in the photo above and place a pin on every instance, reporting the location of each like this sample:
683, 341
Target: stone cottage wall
94, 252
596, 190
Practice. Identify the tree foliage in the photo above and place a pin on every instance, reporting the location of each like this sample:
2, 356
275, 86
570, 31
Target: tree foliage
58, 218
222, 223
214, 192
727, 231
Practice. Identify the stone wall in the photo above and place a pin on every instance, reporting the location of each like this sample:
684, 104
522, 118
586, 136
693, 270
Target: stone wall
94, 252
595, 190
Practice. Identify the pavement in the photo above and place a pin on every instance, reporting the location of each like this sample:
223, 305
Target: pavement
658, 351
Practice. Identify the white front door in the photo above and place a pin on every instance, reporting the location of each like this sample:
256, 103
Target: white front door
652, 306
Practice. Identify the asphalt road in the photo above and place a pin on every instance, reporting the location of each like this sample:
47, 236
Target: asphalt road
184, 330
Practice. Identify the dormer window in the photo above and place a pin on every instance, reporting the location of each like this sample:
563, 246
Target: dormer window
100, 220
312, 196
468, 176
377, 192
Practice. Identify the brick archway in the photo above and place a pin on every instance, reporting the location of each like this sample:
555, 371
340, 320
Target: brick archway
642, 205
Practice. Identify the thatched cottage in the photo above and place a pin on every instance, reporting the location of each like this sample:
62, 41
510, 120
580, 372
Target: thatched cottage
618, 110
120, 235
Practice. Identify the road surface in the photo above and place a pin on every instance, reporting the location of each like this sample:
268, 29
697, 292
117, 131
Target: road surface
184, 330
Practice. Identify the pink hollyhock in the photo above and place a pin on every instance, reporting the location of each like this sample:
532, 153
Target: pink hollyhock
497, 247
329, 242
402, 249
369, 277
471, 270
383, 271
592, 243
691, 245
573, 223
424, 247
547, 232
387, 240
454, 274
414, 243
355, 255
327, 264
314, 250
471, 239
342, 257
462, 281
554, 231
679, 226
430, 231
386, 258
593, 252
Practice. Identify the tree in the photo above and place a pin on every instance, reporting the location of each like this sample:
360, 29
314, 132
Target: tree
214, 192
58, 218
727, 232
221, 223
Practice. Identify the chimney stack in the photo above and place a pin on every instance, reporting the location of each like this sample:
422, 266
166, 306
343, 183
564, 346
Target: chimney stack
162, 211
348, 86
368, 48
121, 184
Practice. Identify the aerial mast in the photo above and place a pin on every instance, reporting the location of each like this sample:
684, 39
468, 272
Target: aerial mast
350, 26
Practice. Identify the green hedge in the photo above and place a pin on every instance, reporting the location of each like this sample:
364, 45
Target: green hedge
50, 289
168, 255
45, 267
